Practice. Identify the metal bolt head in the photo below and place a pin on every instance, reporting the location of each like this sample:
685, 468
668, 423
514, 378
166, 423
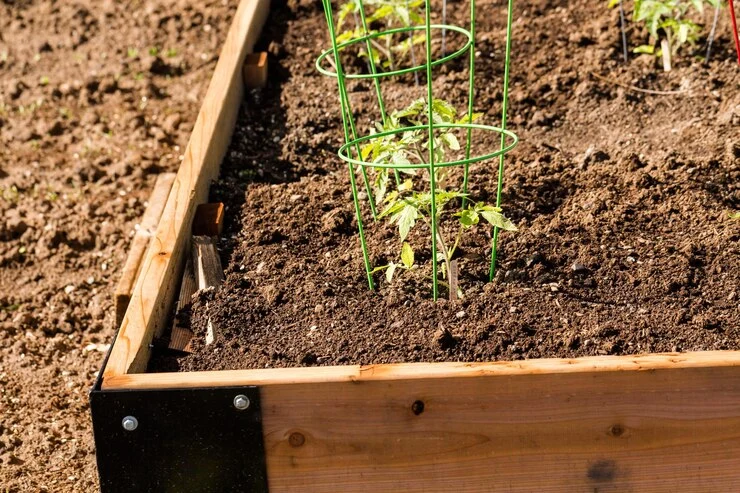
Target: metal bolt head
130, 423
241, 402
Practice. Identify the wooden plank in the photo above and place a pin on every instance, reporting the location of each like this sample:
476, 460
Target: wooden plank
255, 70
424, 371
654, 423
208, 274
181, 334
154, 290
143, 235
206, 263
209, 219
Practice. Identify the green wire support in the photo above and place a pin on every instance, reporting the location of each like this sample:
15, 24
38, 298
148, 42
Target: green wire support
351, 153
504, 109
346, 114
471, 96
374, 70
345, 103
432, 173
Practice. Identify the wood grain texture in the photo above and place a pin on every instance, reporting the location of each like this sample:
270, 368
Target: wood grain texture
206, 262
142, 236
653, 423
180, 334
154, 290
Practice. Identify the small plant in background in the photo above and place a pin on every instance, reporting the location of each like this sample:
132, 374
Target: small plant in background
669, 25
391, 14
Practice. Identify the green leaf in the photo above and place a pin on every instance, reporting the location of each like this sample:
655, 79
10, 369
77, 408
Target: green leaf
407, 255
399, 157
390, 271
649, 49
613, 3
466, 119
381, 184
497, 219
451, 141
406, 220
468, 218
366, 150
444, 109
683, 33
406, 185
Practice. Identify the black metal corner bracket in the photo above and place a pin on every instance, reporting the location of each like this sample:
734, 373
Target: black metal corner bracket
179, 440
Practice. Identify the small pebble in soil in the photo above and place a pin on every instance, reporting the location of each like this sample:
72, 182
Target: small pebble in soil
69, 288
578, 268
460, 314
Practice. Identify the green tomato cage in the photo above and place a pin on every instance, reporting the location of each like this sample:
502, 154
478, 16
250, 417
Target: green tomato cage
350, 151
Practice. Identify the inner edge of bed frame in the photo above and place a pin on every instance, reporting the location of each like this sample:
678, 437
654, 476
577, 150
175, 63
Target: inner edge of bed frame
247, 25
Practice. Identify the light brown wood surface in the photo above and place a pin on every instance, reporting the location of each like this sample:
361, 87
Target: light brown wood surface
154, 290
206, 262
142, 236
653, 423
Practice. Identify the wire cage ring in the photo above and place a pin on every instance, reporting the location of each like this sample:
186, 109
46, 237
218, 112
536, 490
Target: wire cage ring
363, 39
344, 151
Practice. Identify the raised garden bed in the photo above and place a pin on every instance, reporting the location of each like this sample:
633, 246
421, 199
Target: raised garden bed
623, 248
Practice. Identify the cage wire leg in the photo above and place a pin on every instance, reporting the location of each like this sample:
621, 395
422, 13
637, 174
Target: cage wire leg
504, 108
432, 177
374, 71
471, 96
347, 115
347, 126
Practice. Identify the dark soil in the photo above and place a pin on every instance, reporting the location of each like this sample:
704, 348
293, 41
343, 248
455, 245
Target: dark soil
621, 198
88, 118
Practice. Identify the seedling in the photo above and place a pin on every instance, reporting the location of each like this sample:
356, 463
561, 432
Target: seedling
390, 14
405, 206
668, 25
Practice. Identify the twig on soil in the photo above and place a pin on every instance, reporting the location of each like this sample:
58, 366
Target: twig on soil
638, 89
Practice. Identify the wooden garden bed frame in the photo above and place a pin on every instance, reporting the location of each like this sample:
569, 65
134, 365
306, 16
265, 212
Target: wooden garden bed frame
657, 423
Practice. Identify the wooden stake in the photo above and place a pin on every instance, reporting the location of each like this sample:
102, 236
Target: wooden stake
453, 280
208, 272
143, 235
181, 335
255, 70
209, 219
666, 49
206, 263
